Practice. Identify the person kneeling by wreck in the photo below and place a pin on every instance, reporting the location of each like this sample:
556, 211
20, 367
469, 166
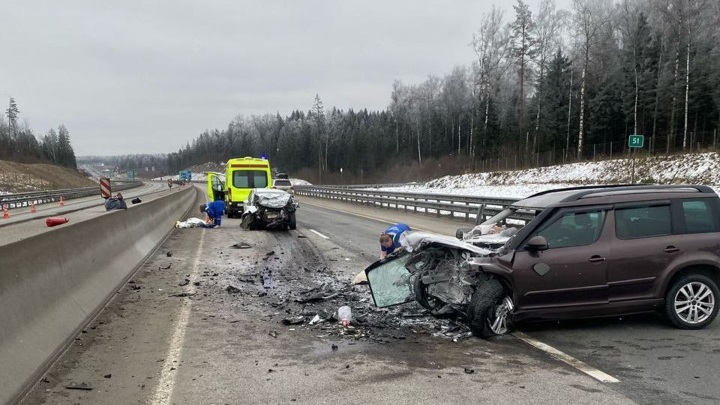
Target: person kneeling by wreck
214, 211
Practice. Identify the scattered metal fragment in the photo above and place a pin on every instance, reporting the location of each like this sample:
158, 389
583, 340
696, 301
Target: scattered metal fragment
232, 289
108, 376
297, 320
169, 254
241, 245
334, 347
183, 294
166, 267
184, 282
79, 386
270, 253
273, 334
469, 370
315, 320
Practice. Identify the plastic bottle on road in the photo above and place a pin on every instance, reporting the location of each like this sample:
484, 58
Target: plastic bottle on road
344, 315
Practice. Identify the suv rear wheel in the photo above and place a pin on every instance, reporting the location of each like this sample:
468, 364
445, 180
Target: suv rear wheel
489, 310
692, 302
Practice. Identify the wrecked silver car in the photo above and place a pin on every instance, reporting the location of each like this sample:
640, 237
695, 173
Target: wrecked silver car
442, 275
269, 209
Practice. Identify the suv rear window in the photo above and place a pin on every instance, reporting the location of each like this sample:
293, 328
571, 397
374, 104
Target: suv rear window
698, 216
642, 222
283, 183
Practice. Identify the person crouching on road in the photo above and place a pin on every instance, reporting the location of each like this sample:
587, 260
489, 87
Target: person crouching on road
390, 239
214, 211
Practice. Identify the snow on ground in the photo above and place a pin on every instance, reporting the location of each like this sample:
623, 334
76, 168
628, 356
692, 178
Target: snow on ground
701, 168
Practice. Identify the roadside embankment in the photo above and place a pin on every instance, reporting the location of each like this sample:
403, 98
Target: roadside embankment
53, 283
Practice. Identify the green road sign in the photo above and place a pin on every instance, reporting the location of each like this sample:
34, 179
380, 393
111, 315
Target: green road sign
636, 141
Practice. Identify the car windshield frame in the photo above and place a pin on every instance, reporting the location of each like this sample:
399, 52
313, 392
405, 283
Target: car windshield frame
390, 281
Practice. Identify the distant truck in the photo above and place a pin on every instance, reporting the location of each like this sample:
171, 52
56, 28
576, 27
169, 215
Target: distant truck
242, 175
185, 175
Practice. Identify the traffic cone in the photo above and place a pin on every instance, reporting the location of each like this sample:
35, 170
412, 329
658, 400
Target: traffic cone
32, 208
6, 214
52, 221
62, 201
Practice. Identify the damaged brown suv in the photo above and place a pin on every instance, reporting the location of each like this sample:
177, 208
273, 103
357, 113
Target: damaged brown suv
584, 252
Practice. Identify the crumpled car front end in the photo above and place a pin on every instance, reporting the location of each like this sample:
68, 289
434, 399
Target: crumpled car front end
445, 276
269, 209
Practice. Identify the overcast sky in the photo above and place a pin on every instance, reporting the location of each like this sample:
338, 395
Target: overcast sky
149, 76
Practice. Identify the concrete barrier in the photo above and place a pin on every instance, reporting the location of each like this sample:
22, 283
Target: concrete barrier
52, 284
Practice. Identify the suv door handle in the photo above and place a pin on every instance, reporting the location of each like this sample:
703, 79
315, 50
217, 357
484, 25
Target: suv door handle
596, 259
671, 249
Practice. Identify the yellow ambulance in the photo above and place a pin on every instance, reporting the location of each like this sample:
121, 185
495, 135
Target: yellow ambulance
241, 176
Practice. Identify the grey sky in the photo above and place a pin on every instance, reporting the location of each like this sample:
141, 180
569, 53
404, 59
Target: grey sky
148, 76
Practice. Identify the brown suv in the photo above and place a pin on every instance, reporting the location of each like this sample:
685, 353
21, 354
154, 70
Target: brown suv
585, 252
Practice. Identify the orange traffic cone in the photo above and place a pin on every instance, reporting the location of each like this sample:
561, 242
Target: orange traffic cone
32, 208
6, 214
52, 221
62, 201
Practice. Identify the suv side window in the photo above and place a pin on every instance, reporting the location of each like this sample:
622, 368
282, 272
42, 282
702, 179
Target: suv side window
642, 222
698, 215
574, 229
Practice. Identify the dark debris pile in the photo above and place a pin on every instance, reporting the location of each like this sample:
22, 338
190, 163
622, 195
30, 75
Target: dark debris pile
296, 304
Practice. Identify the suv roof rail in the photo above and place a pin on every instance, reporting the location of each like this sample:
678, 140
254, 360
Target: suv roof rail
584, 191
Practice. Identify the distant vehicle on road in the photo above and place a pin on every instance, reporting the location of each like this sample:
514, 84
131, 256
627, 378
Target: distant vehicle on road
284, 185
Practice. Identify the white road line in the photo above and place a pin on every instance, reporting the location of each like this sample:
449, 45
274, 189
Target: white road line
319, 234
166, 383
565, 358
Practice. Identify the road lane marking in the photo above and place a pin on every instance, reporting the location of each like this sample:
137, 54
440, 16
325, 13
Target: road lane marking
565, 358
319, 234
166, 384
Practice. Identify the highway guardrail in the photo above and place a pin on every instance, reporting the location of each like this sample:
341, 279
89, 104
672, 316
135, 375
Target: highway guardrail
474, 208
20, 200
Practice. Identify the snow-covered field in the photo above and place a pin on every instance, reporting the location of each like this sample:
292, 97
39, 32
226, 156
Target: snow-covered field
701, 168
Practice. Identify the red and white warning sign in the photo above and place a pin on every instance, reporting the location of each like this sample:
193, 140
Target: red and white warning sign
105, 190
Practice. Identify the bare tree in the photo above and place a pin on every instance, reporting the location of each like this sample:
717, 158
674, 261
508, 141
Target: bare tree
524, 49
491, 45
12, 114
590, 18
548, 33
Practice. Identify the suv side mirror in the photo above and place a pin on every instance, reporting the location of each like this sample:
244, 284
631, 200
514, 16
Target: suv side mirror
537, 243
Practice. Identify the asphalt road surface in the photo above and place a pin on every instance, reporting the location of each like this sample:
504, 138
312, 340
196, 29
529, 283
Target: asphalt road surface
205, 323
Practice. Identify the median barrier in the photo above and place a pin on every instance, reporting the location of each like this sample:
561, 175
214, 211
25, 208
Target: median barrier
54, 283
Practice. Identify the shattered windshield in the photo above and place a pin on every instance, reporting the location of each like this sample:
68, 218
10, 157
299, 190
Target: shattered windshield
390, 282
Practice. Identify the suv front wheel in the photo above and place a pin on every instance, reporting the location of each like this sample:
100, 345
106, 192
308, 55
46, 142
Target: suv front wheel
692, 302
490, 309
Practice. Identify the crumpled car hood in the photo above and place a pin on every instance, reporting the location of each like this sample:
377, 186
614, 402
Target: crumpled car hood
272, 198
415, 240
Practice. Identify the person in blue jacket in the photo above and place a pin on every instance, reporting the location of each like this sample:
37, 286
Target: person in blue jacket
390, 239
214, 211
